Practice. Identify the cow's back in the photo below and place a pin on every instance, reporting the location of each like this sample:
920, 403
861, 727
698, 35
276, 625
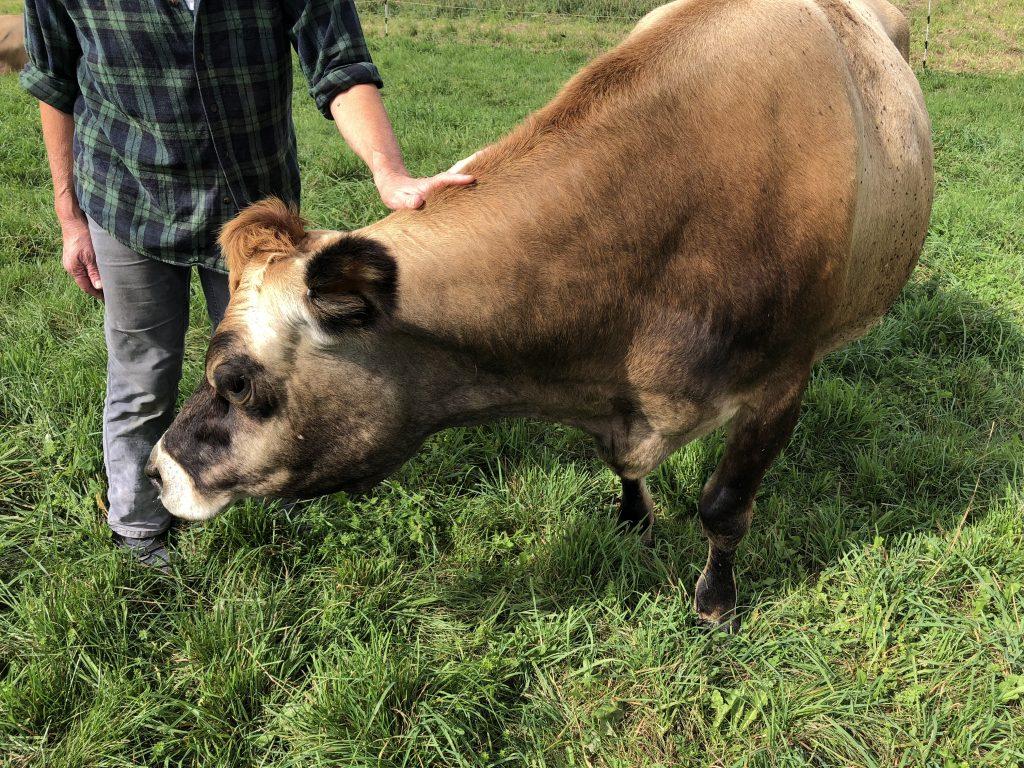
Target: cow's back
693, 208
817, 146
893, 22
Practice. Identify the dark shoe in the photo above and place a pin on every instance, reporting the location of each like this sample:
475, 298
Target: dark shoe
150, 551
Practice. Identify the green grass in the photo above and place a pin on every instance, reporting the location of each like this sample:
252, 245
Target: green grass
479, 609
965, 35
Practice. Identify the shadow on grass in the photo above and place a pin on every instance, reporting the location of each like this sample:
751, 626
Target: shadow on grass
907, 430
916, 427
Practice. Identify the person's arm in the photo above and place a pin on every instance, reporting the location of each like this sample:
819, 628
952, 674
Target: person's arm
343, 82
78, 256
51, 44
363, 122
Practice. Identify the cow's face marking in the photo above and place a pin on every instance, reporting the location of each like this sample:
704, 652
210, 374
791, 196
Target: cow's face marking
307, 311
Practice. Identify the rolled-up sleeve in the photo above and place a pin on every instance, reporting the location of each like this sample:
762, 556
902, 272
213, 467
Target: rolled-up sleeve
332, 51
53, 53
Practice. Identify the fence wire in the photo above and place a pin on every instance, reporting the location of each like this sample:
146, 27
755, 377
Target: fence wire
386, 6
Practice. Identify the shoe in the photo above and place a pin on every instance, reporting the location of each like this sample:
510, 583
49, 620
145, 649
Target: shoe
150, 551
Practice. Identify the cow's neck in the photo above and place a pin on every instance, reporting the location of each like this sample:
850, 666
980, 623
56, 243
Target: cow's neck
466, 270
485, 290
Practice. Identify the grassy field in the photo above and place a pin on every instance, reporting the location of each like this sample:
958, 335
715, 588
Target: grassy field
479, 609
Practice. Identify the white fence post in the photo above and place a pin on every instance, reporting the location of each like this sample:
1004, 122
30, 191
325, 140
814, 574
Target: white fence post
927, 32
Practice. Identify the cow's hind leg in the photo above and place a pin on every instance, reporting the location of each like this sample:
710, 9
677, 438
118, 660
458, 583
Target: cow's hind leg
756, 436
636, 509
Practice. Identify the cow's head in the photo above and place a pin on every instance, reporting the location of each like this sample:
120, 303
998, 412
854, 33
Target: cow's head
306, 386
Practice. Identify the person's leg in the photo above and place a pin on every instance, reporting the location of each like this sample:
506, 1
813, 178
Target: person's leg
217, 294
145, 319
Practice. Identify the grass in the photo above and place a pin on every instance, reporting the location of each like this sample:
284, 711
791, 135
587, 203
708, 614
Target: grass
964, 35
478, 609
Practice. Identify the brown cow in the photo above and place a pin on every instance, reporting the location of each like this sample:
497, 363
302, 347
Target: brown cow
669, 245
12, 43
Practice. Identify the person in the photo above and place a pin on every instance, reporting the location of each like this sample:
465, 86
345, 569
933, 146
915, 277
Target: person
162, 119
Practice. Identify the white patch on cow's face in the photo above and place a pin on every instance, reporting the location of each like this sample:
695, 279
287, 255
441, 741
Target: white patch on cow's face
266, 318
260, 323
178, 492
266, 311
258, 312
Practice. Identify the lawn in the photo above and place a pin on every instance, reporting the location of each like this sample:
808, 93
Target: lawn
479, 609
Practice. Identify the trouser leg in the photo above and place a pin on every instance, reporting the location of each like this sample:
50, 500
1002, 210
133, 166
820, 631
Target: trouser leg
145, 319
217, 294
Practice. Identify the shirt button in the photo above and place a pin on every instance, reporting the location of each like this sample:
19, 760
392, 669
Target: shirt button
226, 200
201, 56
213, 107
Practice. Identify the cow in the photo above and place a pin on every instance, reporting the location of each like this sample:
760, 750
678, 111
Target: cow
667, 247
12, 43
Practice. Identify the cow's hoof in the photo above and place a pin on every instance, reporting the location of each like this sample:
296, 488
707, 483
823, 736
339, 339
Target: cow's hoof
645, 533
641, 528
729, 624
715, 602
636, 513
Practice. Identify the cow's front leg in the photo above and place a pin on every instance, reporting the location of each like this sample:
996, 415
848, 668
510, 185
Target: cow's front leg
756, 437
636, 508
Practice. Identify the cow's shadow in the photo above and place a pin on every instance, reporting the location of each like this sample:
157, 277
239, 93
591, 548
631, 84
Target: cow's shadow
902, 432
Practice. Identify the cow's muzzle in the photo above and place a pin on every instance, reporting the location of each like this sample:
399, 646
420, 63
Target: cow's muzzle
177, 489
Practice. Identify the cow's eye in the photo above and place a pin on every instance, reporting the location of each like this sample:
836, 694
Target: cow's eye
236, 388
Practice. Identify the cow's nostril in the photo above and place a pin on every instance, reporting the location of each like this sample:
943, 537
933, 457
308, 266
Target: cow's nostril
154, 475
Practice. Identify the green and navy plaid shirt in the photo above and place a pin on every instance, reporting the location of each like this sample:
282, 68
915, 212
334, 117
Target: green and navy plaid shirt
182, 118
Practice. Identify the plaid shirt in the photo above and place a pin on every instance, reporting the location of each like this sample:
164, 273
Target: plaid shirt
180, 118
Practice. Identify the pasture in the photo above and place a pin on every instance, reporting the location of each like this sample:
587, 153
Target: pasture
479, 609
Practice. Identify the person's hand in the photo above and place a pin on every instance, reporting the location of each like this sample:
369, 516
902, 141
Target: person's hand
399, 190
78, 257
461, 165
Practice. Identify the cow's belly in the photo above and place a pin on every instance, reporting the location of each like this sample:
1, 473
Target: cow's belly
636, 440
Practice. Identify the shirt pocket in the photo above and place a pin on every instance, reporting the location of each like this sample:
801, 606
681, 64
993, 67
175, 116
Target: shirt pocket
127, 38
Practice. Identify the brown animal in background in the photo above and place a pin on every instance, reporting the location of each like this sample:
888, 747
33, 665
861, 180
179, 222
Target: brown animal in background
12, 43
738, 188
894, 23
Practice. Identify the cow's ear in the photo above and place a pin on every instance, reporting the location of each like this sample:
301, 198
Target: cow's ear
351, 282
262, 229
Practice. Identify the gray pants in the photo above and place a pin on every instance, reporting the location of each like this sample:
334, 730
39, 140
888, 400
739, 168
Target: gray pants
145, 319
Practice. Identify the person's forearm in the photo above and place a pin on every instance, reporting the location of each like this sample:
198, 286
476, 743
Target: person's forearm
363, 122
58, 134
77, 254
